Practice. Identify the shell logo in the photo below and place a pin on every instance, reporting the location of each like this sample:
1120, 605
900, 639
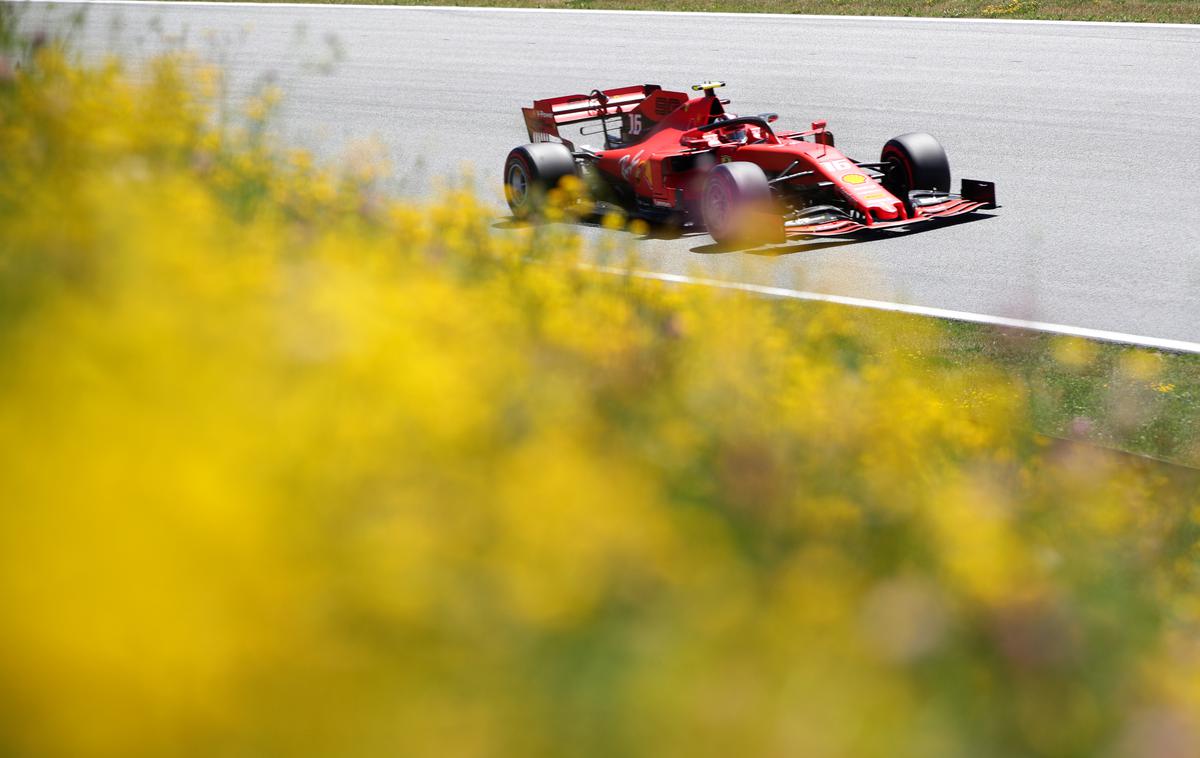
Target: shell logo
853, 178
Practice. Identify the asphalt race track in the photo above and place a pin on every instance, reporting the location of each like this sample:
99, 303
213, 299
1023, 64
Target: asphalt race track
1091, 131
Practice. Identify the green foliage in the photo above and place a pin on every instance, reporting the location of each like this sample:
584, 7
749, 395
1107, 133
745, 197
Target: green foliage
1162, 11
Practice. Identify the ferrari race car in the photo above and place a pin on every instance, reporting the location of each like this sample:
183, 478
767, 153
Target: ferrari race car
668, 157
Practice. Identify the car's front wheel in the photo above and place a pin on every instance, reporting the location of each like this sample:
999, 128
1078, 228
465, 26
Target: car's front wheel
736, 202
915, 161
531, 172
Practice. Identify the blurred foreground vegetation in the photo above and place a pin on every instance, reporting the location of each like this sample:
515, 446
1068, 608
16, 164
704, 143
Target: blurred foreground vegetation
293, 468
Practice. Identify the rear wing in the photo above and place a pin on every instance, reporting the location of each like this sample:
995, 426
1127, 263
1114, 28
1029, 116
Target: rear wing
544, 118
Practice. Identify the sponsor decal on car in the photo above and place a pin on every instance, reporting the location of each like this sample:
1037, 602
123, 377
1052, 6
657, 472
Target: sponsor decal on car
854, 178
631, 166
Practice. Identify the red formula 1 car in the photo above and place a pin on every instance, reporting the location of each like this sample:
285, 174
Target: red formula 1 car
668, 156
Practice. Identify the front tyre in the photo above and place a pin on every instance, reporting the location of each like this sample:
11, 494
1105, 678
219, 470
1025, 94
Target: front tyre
915, 161
531, 172
735, 203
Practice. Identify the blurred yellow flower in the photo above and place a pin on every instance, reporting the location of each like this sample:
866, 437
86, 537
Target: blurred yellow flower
1074, 351
1140, 365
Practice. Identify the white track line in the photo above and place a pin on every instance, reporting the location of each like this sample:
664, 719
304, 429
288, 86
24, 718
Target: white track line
700, 14
1157, 343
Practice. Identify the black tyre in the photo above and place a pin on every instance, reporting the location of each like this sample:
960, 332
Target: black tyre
531, 172
916, 161
735, 199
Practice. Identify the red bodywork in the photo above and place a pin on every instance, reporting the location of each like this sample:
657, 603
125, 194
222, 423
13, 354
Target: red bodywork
662, 154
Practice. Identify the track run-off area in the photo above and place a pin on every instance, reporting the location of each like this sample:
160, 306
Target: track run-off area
1091, 132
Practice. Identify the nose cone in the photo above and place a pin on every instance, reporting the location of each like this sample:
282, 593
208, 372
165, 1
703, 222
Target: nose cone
887, 210
870, 197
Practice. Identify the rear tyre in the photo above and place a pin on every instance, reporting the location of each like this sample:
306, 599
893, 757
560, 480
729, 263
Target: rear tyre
916, 161
736, 199
531, 172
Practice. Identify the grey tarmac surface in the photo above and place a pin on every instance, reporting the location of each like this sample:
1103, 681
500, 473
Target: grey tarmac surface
1091, 132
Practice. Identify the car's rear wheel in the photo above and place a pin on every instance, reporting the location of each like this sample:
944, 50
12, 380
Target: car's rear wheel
531, 172
915, 161
736, 198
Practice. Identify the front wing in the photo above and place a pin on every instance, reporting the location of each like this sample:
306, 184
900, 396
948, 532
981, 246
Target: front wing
975, 195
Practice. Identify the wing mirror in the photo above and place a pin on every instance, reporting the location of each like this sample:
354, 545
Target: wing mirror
818, 126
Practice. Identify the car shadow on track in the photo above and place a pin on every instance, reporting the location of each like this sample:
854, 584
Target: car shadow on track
812, 244
648, 231
792, 246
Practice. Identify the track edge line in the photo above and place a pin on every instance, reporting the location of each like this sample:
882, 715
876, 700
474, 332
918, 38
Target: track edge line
702, 14
1101, 335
